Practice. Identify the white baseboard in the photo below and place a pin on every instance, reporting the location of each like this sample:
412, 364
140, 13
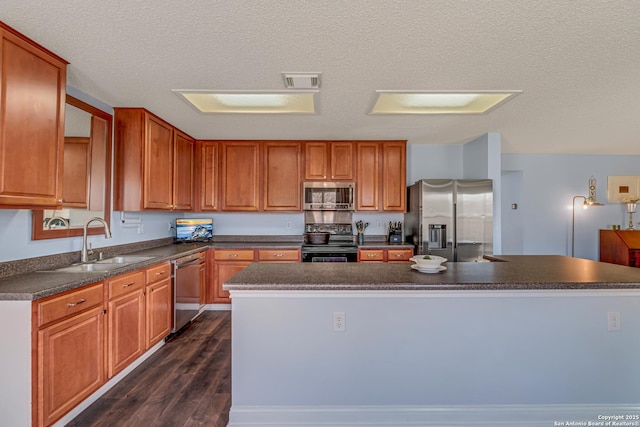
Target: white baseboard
215, 307
106, 387
435, 416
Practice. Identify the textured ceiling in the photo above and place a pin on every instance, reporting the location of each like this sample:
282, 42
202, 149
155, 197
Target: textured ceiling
577, 63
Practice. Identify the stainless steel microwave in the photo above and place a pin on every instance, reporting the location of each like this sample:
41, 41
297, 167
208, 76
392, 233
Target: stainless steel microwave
328, 196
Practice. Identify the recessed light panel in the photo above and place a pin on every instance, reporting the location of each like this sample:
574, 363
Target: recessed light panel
221, 102
412, 102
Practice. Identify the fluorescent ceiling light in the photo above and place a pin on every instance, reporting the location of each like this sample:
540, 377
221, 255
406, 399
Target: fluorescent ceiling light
240, 102
418, 102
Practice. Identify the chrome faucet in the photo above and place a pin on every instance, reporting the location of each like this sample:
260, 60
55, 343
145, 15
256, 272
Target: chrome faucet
107, 235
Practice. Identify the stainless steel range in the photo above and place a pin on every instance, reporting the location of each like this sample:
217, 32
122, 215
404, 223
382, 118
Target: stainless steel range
340, 246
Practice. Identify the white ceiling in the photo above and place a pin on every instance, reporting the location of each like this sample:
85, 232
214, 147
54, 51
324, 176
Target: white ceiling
576, 61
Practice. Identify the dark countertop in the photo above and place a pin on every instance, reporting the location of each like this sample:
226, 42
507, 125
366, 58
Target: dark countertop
523, 272
40, 284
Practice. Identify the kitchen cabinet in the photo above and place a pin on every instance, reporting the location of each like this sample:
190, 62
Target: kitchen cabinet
240, 176
381, 176
394, 176
385, 255
32, 95
158, 303
329, 161
281, 173
279, 255
620, 247
207, 175
69, 335
368, 181
153, 163
126, 320
228, 262
183, 171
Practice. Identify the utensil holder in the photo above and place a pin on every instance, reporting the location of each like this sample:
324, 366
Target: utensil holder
360, 238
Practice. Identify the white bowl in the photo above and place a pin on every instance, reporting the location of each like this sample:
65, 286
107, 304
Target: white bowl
432, 262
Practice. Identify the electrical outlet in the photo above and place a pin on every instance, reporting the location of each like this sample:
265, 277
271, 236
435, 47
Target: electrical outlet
288, 225
339, 321
140, 228
170, 226
613, 321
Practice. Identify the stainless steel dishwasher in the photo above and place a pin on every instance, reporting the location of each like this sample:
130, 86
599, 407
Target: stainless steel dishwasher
188, 301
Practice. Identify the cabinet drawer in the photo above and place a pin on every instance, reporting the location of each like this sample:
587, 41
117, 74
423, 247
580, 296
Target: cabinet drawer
158, 272
399, 255
125, 283
278, 255
71, 303
233, 255
371, 255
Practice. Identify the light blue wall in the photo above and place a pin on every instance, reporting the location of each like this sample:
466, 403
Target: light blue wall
433, 349
547, 184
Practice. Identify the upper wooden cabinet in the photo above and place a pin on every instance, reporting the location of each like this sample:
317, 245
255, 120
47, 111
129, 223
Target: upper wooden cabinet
207, 176
240, 176
329, 160
381, 179
264, 176
394, 176
153, 163
32, 98
281, 176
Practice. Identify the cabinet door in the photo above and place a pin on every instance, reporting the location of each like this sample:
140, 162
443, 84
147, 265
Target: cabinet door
75, 184
70, 363
224, 271
207, 176
343, 161
316, 160
158, 164
32, 99
240, 176
281, 176
183, 171
367, 184
126, 339
158, 311
394, 176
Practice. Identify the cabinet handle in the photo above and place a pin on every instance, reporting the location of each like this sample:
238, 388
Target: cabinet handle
399, 256
126, 285
73, 304
278, 255
233, 255
372, 255
158, 274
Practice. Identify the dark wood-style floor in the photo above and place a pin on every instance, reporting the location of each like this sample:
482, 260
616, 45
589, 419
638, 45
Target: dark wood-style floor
185, 383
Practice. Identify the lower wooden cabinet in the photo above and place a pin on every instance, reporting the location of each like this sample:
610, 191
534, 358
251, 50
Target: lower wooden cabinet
159, 296
228, 262
225, 263
86, 336
69, 365
371, 255
126, 321
385, 255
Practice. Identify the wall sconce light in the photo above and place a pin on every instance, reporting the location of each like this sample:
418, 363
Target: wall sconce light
587, 201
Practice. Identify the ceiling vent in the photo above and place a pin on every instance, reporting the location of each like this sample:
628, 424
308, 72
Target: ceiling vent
301, 80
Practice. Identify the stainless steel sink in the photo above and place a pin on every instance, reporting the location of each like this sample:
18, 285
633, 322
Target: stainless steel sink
86, 268
102, 265
125, 259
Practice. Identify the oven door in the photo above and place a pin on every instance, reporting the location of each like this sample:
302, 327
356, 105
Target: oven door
335, 256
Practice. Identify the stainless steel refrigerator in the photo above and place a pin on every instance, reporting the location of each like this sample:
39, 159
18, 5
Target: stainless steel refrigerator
451, 218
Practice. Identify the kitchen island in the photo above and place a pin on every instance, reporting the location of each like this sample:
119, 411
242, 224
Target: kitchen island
533, 340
